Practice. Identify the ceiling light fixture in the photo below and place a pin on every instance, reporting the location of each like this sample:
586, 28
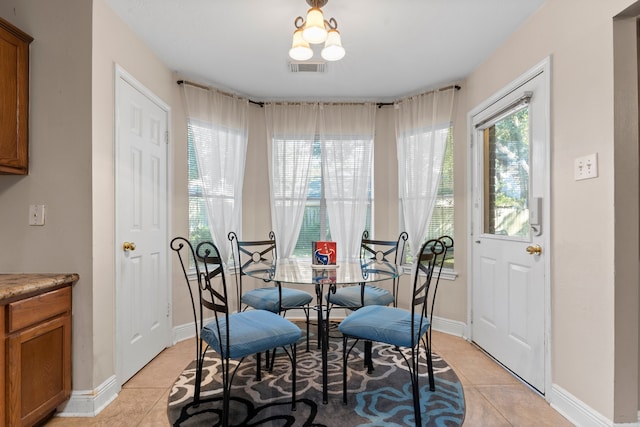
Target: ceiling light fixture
315, 30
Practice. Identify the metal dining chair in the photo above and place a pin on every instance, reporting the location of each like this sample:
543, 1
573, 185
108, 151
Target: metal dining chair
372, 251
232, 335
399, 327
275, 298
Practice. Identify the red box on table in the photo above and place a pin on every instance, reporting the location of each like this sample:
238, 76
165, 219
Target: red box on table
324, 253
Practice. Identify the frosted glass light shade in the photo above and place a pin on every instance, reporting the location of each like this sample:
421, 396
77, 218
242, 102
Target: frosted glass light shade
300, 50
333, 50
314, 30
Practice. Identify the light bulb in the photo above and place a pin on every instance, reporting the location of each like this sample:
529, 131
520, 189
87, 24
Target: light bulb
314, 30
300, 50
333, 50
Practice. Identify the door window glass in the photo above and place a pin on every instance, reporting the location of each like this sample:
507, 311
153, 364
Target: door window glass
506, 168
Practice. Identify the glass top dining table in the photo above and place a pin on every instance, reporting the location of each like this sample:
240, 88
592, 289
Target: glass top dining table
325, 279
304, 273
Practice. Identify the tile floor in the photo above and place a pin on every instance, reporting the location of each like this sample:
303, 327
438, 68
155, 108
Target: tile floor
493, 396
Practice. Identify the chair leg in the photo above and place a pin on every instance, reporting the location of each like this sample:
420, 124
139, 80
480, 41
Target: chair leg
294, 366
199, 364
344, 370
306, 313
368, 360
273, 360
432, 382
196, 392
415, 385
225, 392
416, 403
258, 367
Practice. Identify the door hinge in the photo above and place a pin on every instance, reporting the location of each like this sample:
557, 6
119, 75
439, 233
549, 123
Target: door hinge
166, 137
168, 309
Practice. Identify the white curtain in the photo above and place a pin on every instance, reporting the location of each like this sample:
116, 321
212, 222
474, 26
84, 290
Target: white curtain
423, 123
218, 124
346, 133
291, 131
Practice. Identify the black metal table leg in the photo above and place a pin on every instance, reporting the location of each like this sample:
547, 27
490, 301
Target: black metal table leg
323, 330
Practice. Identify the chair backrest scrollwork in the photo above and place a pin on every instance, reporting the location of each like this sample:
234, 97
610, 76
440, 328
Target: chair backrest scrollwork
430, 263
384, 251
253, 255
211, 283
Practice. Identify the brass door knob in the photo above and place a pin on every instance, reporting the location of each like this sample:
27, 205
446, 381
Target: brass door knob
534, 250
128, 246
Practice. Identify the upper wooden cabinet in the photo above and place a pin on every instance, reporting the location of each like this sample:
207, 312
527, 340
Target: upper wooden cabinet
14, 99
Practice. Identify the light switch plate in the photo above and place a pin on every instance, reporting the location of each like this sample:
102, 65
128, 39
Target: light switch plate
586, 167
36, 214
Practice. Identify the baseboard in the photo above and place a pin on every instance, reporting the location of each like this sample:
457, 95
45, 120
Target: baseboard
451, 327
89, 403
183, 332
578, 412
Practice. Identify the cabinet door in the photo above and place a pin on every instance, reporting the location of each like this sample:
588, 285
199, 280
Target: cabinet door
14, 99
39, 370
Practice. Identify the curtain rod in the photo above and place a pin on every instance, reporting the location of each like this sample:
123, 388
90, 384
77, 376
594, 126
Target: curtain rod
186, 82
261, 104
456, 87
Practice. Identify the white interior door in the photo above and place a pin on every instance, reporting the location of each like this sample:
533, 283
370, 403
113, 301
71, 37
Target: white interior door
142, 291
510, 309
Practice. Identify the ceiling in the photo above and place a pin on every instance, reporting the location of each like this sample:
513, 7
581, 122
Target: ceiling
394, 48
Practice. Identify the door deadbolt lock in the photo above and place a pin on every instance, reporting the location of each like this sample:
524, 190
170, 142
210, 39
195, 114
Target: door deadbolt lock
128, 246
534, 250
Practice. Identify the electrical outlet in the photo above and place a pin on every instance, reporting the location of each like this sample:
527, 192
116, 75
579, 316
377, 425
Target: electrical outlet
586, 167
36, 215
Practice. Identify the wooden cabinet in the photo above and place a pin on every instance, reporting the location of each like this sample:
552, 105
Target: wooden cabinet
14, 99
37, 356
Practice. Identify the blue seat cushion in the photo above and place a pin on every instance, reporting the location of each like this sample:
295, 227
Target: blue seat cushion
267, 298
384, 324
251, 332
350, 296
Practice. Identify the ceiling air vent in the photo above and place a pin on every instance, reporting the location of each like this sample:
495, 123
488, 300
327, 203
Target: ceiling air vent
307, 67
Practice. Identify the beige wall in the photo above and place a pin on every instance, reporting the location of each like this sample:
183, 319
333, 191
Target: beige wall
60, 162
578, 36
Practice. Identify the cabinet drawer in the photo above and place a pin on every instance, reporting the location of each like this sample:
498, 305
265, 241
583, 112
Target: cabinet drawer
29, 311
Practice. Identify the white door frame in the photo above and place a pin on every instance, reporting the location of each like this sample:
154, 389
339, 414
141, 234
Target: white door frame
543, 67
121, 74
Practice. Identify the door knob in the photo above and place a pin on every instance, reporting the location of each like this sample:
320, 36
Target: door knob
534, 250
128, 246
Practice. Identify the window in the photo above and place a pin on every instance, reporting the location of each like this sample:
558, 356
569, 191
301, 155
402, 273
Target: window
198, 223
217, 191
442, 217
506, 200
315, 223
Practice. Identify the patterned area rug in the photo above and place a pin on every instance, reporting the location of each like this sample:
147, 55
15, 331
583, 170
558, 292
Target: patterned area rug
382, 398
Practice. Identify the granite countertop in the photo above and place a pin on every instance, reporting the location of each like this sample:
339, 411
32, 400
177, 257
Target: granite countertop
17, 285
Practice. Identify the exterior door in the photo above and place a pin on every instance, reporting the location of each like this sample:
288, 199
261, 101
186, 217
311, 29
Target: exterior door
142, 291
510, 309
